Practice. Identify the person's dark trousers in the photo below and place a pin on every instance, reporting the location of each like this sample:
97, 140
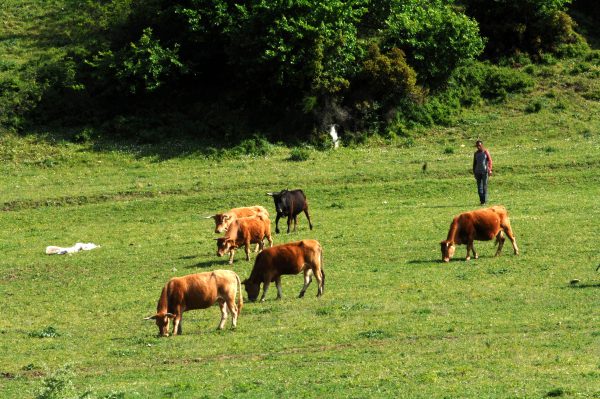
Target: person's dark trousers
482, 182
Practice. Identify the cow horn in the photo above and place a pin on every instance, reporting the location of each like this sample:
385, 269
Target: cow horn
210, 217
271, 194
150, 318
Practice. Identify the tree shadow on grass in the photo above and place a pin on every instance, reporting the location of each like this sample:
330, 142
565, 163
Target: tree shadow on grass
423, 261
586, 285
207, 264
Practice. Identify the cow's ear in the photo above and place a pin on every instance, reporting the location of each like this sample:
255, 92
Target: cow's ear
151, 317
246, 281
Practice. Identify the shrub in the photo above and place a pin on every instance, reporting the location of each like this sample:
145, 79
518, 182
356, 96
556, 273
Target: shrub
531, 26
490, 81
256, 146
48, 332
389, 73
57, 385
534, 107
299, 154
437, 37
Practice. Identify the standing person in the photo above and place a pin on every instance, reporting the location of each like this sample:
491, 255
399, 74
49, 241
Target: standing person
482, 169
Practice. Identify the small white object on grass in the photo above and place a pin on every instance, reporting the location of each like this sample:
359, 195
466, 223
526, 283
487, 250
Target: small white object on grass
334, 136
54, 250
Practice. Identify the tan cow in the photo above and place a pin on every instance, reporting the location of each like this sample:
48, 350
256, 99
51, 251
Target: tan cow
224, 220
290, 258
198, 291
245, 231
482, 225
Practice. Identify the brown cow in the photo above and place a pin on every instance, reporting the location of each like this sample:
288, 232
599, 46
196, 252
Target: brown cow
198, 291
481, 225
245, 231
290, 258
224, 220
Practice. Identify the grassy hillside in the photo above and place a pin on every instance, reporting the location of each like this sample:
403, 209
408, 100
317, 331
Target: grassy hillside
394, 320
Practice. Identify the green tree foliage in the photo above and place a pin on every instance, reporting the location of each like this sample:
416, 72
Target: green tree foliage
436, 37
532, 26
232, 68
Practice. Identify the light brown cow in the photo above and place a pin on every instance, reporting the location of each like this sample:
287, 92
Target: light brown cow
198, 291
224, 220
482, 225
290, 258
245, 231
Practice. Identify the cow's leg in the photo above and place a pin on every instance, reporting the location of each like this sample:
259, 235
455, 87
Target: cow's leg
233, 309
278, 285
247, 247
270, 239
308, 218
223, 307
295, 222
266, 284
277, 223
469, 245
318, 276
177, 324
307, 281
512, 238
289, 223
500, 242
231, 253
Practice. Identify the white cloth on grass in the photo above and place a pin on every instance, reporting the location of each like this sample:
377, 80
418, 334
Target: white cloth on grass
54, 250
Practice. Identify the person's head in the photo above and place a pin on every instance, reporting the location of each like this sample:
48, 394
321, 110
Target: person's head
479, 145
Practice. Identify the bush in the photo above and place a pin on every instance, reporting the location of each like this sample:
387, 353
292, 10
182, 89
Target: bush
299, 154
492, 82
437, 37
57, 385
534, 106
530, 26
388, 75
256, 146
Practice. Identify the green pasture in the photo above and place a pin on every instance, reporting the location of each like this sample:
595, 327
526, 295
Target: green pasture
394, 321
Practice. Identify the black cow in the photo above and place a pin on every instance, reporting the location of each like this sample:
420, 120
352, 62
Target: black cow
290, 204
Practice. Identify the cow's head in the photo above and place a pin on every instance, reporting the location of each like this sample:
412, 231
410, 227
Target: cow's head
224, 245
252, 289
222, 221
281, 202
162, 321
447, 250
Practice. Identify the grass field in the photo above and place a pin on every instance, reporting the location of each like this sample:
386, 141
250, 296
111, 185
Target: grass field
394, 320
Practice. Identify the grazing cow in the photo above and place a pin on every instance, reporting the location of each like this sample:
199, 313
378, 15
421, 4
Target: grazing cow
245, 231
198, 291
223, 220
290, 204
290, 258
481, 225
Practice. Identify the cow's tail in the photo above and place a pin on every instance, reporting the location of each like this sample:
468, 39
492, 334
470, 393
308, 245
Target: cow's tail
322, 266
240, 301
